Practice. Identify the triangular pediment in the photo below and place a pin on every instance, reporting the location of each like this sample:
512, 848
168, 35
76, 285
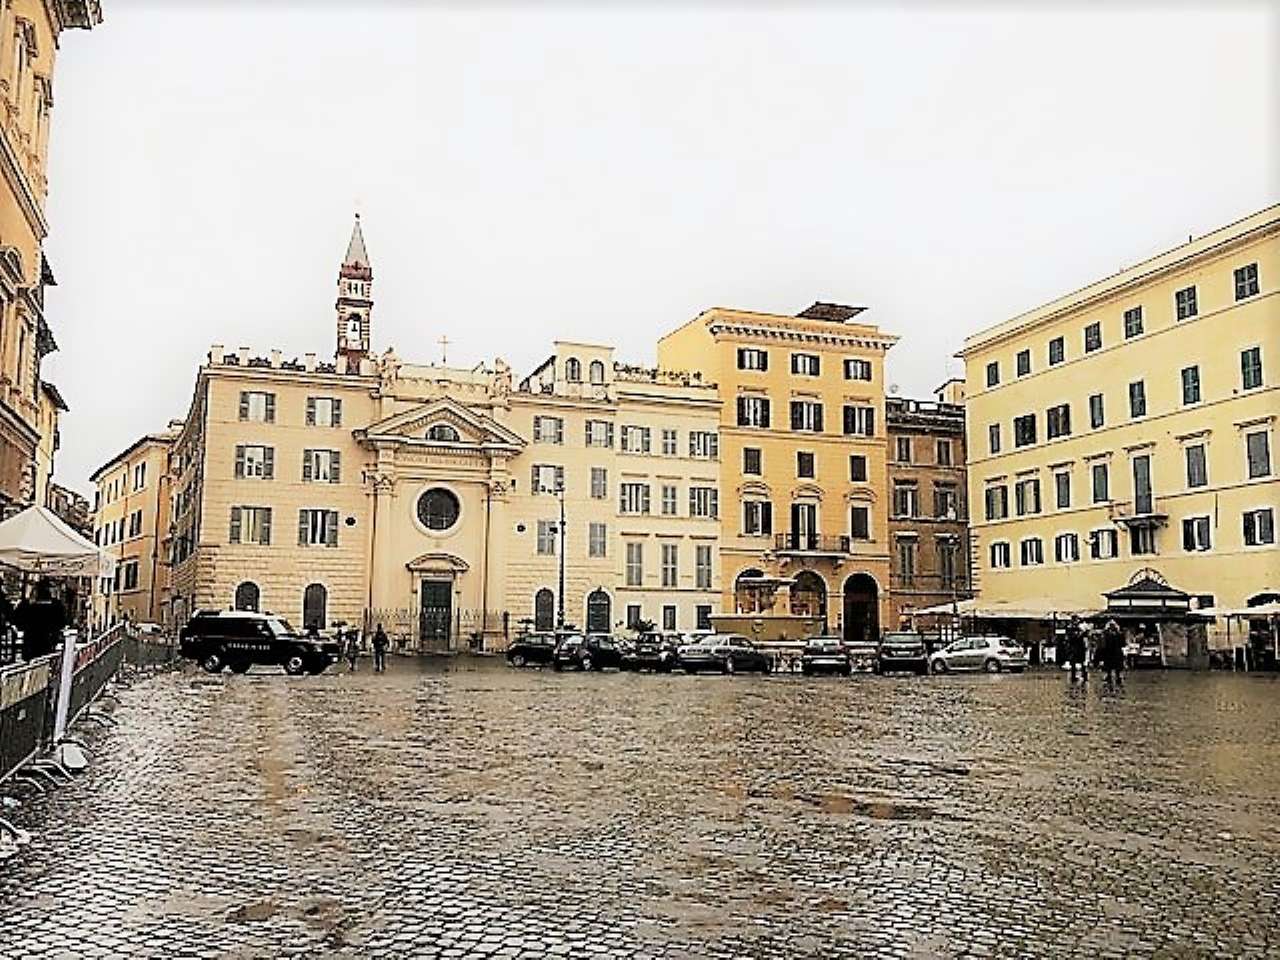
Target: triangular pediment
424, 424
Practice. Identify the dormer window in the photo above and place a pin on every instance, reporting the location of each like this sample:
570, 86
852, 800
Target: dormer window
573, 370
442, 433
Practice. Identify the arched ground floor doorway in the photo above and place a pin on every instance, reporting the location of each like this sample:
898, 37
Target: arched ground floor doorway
599, 612
809, 596
861, 608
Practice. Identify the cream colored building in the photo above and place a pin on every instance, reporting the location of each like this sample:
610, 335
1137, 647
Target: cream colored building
130, 520
1131, 425
428, 497
804, 512
52, 406
29, 39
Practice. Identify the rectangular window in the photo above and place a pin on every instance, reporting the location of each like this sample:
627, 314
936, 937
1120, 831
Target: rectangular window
857, 468
906, 559
670, 572
943, 453
599, 433
1258, 448
1197, 466
855, 369
1062, 490
131, 575
905, 499
860, 523
634, 498
546, 478
548, 430
1251, 368
702, 566
1190, 384
1026, 496
668, 616
757, 518
752, 359
1097, 414
1032, 550
751, 463
257, 406
859, 421
806, 364
1195, 534
1093, 337
669, 493
1058, 421
1246, 281
1137, 399
1023, 360
1101, 483
1104, 544
704, 445
255, 461
321, 466
251, 525
1057, 351
1132, 322
597, 539
902, 449
753, 411
635, 564
1142, 541
1024, 430
804, 464
1066, 548
704, 502
1185, 302
670, 443
633, 616
703, 616
1259, 527
135, 524
324, 412
997, 502
635, 439
1000, 556
806, 415
547, 530
993, 373
993, 437
317, 528
946, 502
599, 483
139, 476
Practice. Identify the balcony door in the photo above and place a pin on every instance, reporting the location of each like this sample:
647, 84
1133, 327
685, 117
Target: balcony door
804, 525
1142, 499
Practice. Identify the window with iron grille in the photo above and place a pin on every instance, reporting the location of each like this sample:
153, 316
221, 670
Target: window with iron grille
1246, 281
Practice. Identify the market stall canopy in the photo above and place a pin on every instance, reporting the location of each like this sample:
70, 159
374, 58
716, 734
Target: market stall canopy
37, 541
1007, 609
1262, 610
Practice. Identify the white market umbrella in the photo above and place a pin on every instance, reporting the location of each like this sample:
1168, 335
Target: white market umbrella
36, 541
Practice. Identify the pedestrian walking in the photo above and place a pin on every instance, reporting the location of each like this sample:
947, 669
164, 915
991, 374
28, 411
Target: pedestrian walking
380, 644
1077, 649
41, 620
1113, 653
352, 648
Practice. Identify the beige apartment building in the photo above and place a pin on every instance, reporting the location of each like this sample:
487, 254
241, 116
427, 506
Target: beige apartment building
130, 520
804, 523
428, 497
29, 39
1129, 428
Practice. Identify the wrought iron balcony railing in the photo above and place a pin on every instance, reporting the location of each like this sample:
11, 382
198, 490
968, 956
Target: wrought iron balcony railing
798, 542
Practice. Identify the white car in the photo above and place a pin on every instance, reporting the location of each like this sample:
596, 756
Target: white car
992, 654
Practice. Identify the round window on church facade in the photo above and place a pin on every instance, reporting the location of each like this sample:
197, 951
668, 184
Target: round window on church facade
438, 509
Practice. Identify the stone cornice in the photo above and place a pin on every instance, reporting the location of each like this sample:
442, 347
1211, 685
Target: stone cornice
794, 334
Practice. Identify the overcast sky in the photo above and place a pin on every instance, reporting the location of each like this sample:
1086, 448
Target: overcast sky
531, 174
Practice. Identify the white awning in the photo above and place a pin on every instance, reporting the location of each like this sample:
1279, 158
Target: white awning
1008, 610
37, 541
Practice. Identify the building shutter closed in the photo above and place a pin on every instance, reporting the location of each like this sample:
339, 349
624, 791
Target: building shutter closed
268, 463
331, 528
270, 408
311, 411
239, 462
335, 466
234, 536
265, 526
337, 412
307, 459
244, 405
303, 524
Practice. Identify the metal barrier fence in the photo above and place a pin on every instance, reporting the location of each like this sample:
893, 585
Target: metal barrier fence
439, 630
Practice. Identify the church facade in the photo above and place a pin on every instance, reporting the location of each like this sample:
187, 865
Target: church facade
440, 501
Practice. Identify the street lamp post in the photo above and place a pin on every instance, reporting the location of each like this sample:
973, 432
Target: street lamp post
559, 489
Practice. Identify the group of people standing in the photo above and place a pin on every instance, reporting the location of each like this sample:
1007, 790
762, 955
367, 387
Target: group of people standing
1107, 647
41, 617
350, 644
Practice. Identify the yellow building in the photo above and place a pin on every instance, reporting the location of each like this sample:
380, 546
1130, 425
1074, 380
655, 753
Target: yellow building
1131, 426
131, 519
428, 497
51, 406
804, 516
29, 36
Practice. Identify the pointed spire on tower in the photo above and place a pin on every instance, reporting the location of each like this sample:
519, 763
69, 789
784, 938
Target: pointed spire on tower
356, 255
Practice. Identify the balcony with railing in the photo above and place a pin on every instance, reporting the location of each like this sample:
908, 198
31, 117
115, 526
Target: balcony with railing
812, 543
1142, 511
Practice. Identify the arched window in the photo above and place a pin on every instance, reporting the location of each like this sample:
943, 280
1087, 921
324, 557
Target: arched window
442, 432
596, 372
599, 612
573, 370
314, 601
544, 609
248, 596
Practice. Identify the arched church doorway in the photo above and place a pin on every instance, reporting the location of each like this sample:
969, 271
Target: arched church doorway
861, 608
599, 612
314, 601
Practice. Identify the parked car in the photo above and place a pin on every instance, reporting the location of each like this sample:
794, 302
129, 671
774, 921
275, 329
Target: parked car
902, 651
864, 655
725, 652
587, 652
239, 639
825, 655
651, 651
532, 648
990, 653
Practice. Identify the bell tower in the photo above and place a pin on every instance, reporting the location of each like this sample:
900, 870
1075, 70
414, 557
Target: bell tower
355, 304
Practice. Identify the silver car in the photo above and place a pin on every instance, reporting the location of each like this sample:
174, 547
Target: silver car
991, 654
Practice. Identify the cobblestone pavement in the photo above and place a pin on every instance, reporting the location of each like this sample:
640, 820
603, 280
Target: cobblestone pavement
471, 810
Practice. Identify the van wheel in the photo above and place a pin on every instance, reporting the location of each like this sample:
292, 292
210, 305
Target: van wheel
295, 665
212, 662
991, 666
240, 666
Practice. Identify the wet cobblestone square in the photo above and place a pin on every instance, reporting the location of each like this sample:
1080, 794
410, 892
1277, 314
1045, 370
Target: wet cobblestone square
470, 810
